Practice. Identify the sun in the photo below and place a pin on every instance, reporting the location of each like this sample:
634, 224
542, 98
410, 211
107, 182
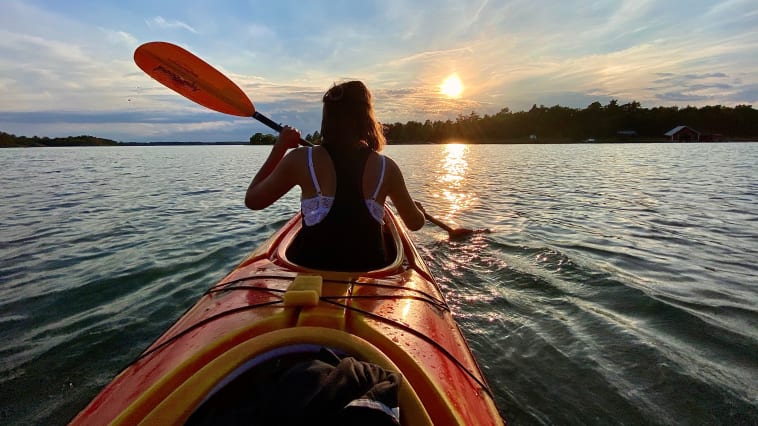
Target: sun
452, 87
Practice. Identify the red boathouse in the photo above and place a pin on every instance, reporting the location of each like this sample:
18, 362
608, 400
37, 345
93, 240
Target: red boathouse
683, 134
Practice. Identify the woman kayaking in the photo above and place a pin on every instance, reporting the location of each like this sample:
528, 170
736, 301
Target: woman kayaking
344, 183
270, 345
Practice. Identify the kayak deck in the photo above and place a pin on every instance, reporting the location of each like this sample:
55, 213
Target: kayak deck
394, 317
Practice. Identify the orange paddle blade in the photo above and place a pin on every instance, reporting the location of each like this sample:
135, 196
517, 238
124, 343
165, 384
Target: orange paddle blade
193, 78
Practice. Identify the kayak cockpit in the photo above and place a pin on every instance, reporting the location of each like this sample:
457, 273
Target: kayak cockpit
393, 248
276, 372
299, 384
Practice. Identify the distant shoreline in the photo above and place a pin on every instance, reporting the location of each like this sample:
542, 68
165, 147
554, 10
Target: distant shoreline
505, 142
179, 143
91, 141
12, 141
515, 141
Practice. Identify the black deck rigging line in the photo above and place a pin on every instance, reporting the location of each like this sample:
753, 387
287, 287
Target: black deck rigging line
202, 323
331, 300
432, 301
438, 302
243, 287
423, 337
230, 286
222, 285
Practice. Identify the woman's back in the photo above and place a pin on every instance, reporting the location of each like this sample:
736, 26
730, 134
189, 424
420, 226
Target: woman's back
343, 233
349, 237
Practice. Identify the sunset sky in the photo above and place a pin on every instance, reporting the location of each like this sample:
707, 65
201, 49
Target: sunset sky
66, 67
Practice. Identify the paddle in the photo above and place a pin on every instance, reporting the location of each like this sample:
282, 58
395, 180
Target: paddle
453, 233
193, 78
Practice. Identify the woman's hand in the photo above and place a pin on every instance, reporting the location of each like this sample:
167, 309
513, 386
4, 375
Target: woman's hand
267, 186
289, 137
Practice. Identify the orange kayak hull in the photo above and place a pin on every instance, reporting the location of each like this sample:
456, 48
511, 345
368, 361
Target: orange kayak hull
395, 317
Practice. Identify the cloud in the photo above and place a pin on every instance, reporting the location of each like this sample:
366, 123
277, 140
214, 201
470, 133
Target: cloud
160, 22
682, 97
673, 78
746, 95
431, 55
259, 31
120, 37
196, 125
692, 87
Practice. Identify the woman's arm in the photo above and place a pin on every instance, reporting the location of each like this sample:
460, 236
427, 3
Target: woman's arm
274, 178
412, 216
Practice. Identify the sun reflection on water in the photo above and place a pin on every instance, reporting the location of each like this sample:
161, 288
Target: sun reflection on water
452, 180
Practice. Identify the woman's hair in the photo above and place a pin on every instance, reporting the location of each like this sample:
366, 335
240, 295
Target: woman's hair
348, 117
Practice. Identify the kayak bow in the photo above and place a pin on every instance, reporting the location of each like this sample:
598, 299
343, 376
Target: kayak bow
269, 308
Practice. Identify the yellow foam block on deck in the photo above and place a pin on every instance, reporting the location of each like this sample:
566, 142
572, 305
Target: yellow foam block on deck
327, 315
305, 290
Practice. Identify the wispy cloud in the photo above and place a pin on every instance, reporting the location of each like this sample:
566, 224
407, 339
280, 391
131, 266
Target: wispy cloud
120, 37
431, 55
672, 87
161, 22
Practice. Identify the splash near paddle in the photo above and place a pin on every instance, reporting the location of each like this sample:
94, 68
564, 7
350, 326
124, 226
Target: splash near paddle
186, 74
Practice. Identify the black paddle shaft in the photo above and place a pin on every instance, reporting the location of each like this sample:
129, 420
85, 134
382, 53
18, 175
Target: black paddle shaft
274, 125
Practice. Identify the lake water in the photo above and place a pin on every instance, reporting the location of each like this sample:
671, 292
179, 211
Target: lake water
618, 284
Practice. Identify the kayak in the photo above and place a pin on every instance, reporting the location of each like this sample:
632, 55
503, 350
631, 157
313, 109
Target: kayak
269, 313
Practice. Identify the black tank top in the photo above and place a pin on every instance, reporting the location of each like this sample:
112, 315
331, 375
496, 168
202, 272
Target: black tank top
349, 238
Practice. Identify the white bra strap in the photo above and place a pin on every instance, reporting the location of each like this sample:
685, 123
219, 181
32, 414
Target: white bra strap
381, 178
313, 172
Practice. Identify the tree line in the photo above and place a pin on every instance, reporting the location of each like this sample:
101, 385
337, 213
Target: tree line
597, 121
8, 140
268, 139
